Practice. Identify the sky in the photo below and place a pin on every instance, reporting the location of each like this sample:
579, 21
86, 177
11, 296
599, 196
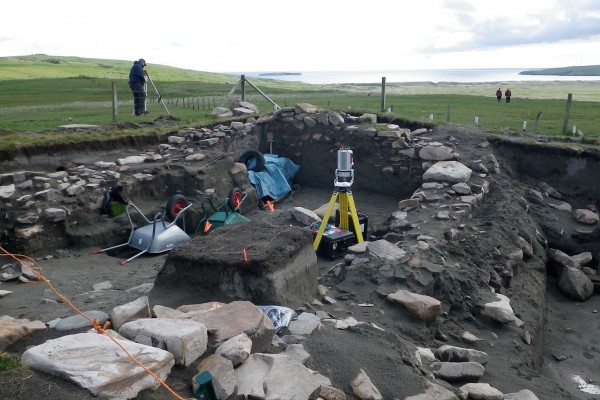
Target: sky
309, 35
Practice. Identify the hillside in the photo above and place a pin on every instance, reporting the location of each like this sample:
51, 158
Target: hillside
41, 92
47, 66
586, 70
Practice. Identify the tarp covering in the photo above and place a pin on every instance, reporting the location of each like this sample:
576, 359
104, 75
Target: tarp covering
274, 181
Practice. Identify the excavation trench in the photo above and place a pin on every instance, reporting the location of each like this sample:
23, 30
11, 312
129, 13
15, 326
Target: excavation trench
467, 254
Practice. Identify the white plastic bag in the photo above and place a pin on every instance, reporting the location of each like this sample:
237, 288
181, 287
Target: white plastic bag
279, 316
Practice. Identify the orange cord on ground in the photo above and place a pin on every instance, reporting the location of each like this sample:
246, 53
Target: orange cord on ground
36, 269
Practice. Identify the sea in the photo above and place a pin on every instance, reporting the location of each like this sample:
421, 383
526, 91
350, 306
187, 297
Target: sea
497, 75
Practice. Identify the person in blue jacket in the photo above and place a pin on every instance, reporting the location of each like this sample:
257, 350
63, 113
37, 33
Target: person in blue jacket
137, 79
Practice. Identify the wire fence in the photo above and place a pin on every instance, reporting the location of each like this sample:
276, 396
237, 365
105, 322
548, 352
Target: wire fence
206, 103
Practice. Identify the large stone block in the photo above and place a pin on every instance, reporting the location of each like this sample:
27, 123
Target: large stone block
234, 319
186, 340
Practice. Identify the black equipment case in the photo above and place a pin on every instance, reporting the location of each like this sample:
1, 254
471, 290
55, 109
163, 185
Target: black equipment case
363, 221
335, 244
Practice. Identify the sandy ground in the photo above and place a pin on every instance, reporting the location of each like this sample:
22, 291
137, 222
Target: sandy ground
75, 272
570, 332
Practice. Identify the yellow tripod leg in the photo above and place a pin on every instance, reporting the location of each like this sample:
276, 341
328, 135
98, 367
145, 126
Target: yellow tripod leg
325, 220
344, 225
354, 214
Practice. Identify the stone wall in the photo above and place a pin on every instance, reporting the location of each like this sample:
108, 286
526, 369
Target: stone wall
386, 161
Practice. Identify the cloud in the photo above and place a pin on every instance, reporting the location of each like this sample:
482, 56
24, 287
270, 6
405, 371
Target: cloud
469, 28
258, 35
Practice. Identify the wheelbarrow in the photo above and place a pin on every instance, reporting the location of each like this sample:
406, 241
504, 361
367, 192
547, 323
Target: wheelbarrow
159, 235
227, 213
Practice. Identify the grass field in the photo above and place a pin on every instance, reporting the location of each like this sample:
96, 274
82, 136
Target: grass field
39, 93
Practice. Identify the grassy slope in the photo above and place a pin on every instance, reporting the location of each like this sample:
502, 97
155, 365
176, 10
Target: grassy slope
585, 70
38, 93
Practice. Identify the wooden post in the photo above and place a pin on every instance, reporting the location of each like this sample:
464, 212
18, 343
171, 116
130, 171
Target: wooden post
537, 120
567, 112
243, 85
448, 115
115, 102
383, 94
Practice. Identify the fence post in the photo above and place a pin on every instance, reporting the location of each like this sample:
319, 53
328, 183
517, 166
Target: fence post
382, 93
448, 115
243, 85
115, 102
567, 112
537, 120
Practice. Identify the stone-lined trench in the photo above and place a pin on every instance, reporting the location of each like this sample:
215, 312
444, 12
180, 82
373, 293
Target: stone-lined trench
387, 164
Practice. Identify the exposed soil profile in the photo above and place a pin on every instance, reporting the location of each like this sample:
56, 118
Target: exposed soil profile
464, 257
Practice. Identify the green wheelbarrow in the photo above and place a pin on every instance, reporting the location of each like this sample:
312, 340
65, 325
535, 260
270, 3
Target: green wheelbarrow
227, 213
213, 216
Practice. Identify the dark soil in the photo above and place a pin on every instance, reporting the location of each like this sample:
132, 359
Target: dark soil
558, 326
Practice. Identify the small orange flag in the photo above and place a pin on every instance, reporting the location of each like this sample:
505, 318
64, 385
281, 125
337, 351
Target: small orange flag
271, 206
245, 255
207, 226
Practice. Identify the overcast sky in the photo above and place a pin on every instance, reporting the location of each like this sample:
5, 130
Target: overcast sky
309, 35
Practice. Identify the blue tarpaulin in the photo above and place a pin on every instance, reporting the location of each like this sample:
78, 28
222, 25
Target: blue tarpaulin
274, 181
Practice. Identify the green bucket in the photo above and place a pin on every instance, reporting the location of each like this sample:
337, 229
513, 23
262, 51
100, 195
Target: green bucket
206, 390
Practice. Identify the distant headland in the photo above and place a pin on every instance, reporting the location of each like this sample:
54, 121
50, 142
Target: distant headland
585, 70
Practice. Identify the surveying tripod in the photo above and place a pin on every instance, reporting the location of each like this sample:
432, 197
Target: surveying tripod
344, 177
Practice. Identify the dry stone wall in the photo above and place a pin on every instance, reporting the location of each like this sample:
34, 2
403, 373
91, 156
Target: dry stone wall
387, 153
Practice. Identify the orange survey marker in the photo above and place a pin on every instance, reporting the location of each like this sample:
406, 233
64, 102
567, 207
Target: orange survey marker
271, 206
207, 226
245, 255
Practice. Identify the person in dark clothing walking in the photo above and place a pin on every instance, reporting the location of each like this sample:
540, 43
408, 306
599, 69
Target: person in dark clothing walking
507, 94
499, 94
137, 79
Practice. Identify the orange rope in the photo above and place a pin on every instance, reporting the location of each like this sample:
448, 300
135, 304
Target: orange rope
36, 269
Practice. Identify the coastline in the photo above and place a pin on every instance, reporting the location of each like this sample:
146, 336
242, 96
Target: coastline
434, 76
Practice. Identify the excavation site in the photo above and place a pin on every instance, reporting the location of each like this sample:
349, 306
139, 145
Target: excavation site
304, 254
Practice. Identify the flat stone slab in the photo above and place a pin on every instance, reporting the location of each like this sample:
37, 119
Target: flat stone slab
76, 126
96, 363
12, 329
277, 376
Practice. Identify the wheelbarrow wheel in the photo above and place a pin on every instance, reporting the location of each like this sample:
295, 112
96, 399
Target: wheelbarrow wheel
254, 160
175, 204
235, 197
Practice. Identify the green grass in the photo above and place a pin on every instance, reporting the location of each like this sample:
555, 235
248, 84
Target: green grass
585, 70
8, 362
39, 93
